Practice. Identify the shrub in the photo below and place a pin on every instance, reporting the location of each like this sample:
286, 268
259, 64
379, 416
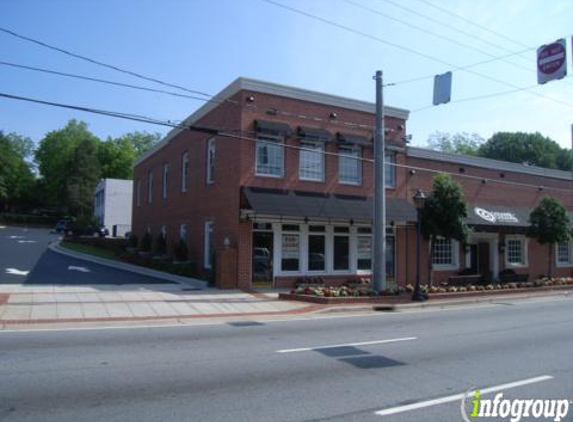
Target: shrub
133, 240
160, 244
180, 251
146, 242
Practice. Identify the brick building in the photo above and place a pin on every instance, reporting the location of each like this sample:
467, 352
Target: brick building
274, 213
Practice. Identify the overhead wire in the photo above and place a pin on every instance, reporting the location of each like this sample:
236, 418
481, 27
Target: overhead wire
237, 134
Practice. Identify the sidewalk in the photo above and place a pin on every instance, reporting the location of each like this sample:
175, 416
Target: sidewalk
23, 304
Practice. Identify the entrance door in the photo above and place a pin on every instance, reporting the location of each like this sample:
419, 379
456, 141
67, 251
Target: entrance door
483, 261
263, 257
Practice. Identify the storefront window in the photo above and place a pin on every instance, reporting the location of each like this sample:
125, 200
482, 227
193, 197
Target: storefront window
290, 259
364, 252
443, 252
564, 253
515, 252
341, 253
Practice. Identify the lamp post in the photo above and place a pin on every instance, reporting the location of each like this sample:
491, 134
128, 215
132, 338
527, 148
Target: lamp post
419, 201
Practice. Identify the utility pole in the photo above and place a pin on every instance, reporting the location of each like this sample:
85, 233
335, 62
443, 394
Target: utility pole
379, 270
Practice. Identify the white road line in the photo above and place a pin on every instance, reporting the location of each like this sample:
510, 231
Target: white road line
456, 397
363, 343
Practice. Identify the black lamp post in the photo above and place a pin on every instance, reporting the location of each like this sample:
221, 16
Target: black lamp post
419, 201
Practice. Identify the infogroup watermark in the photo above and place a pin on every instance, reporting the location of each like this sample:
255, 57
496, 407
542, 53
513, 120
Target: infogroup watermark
513, 409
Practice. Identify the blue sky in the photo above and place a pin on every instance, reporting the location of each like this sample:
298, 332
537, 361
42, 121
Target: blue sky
205, 44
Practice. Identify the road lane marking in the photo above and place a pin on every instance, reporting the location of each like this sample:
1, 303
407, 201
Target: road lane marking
80, 269
456, 397
15, 271
363, 343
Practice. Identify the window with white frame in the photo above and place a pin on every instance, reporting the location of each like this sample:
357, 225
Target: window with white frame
316, 248
138, 192
183, 232
211, 161
270, 156
208, 245
564, 254
341, 249
445, 253
515, 253
350, 165
150, 187
184, 171
165, 180
364, 249
311, 166
390, 169
290, 247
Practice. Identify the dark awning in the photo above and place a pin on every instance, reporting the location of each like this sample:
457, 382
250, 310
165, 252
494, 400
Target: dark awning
312, 134
496, 215
346, 138
282, 203
272, 128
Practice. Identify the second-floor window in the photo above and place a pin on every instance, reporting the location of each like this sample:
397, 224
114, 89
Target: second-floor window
390, 170
184, 171
349, 165
270, 156
150, 187
211, 161
311, 165
165, 180
138, 192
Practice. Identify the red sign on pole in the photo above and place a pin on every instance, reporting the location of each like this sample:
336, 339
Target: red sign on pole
551, 61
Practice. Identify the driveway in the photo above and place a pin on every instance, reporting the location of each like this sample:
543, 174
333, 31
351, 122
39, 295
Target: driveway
25, 259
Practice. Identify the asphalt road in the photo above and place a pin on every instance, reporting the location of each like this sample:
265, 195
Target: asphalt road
24, 258
265, 371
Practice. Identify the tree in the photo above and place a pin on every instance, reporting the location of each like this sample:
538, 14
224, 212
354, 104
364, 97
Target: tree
55, 158
83, 180
459, 143
549, 225
141, 141
116, 158
526, 148
16, 176
443, 214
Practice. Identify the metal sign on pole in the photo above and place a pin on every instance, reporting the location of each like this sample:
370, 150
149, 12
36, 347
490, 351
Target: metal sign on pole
379, 268
551, 61
442, 88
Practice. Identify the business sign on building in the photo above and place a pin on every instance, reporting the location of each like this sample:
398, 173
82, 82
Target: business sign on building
551, 61
496, 216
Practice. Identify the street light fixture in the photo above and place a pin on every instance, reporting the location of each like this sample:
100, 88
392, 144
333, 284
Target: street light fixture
419, 201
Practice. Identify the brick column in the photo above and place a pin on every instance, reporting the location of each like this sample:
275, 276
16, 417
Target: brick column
226, 269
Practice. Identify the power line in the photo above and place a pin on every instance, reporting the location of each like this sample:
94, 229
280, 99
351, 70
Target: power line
404, 48
105, 81
99, 63
232, 133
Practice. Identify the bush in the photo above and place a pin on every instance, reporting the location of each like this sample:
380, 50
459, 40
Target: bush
160, 244
146, 241
180, 251
116, 245
133, 240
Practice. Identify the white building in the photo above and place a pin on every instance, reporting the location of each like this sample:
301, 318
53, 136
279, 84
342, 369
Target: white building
112, 205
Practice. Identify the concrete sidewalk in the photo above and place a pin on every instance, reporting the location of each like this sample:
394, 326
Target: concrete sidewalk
29, 304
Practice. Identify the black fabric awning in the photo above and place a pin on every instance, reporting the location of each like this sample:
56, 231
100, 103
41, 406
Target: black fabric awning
312, 134
496, 215
346, 138
272, 128
282, 203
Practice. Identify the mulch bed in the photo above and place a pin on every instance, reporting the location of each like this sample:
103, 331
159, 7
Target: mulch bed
407, 297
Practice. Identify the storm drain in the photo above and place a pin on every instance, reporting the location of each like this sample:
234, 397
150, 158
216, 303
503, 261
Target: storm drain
245, 323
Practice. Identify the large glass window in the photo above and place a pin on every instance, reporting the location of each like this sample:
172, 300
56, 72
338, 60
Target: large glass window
211, 161
184, 171
290, 250
341, 250
364, 252
564, 256
444, 253
349, 165
515, 251
208, 244
270, 156
311, 165
316, 248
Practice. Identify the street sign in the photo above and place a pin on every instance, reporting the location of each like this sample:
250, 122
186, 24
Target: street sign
551, 61
442, 88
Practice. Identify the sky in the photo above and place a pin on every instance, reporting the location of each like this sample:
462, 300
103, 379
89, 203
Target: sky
204, 45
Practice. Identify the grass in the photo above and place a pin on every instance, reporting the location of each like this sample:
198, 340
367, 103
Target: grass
90, 250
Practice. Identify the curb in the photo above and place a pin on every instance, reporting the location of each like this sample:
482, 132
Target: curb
55, 247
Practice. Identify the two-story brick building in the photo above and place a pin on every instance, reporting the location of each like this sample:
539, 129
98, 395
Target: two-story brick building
287, 187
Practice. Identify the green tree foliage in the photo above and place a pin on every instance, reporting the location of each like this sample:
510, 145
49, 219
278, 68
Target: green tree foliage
117, 155
55, 158
459, 143
141, 141
84, 175
549, 225
444, 212
16, 176
526, 148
